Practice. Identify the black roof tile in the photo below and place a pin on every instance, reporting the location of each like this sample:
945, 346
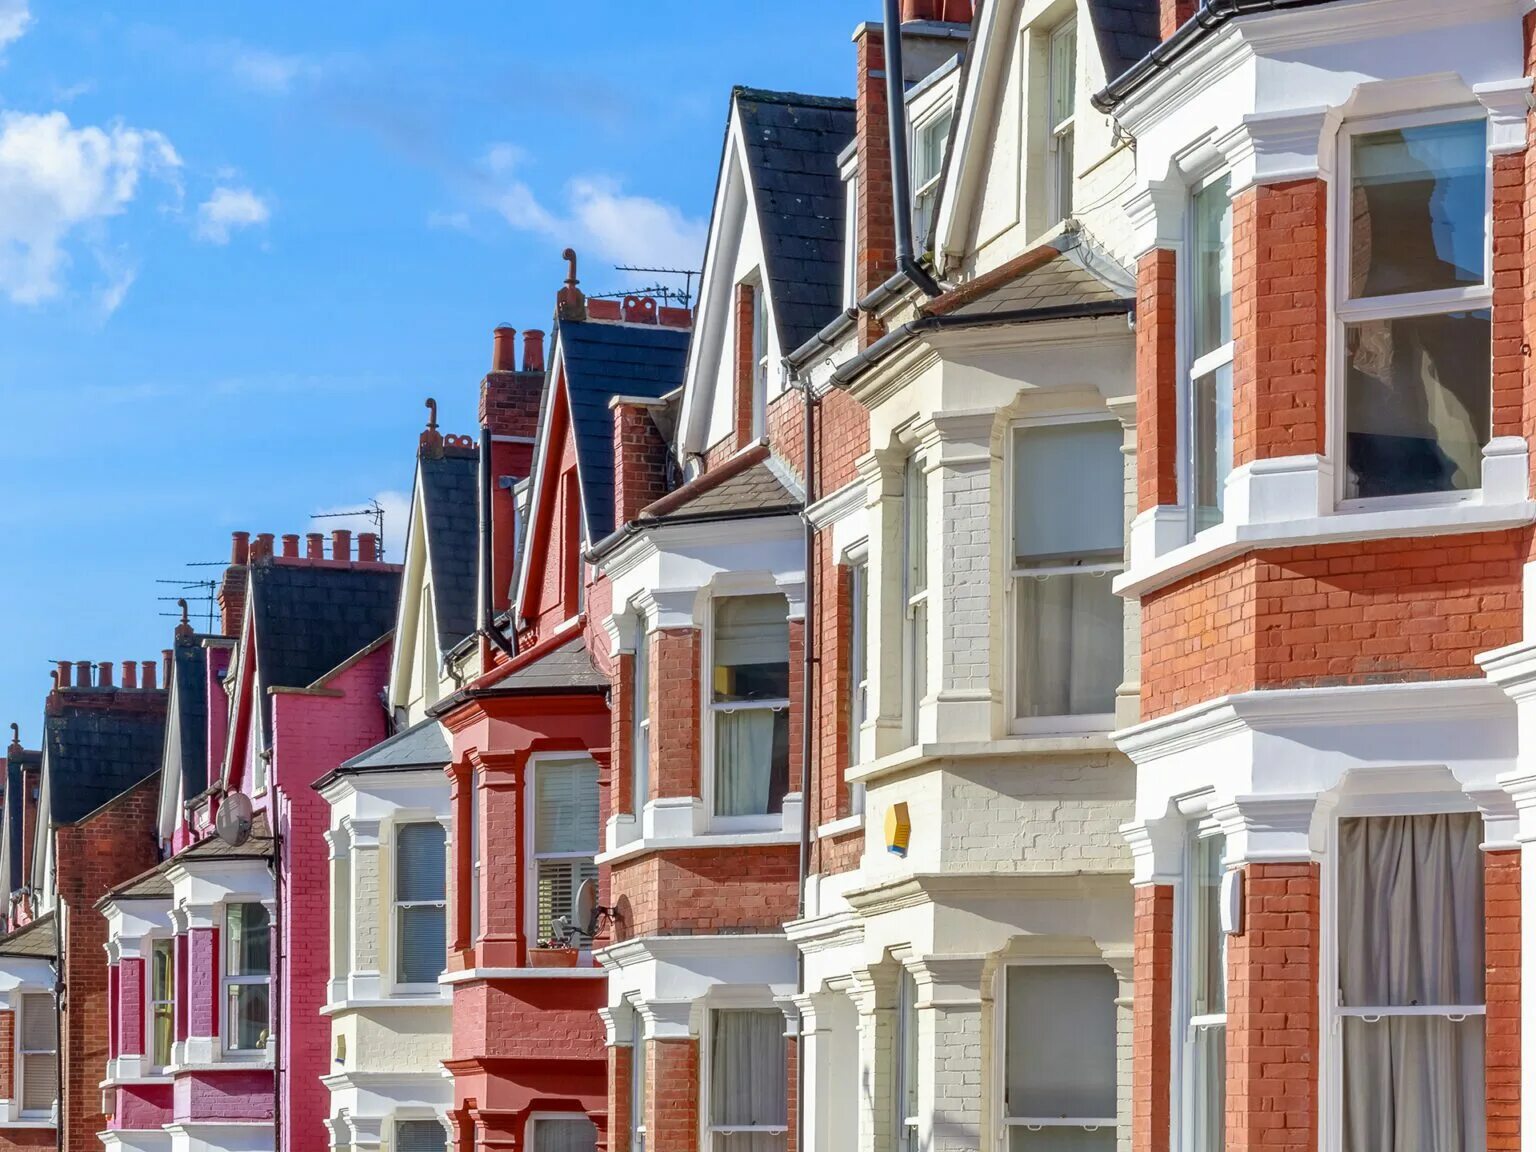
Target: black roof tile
450, 493
1126, 31
191, 705
94, 754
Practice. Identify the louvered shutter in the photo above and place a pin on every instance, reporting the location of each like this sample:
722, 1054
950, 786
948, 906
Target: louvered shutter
419, 1136
39, 1048
567, 803
421, 870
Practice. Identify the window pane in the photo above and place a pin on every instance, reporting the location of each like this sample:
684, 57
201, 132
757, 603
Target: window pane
1211, 463
906, 1051
558, 881
641, 730
574, 1135
566, 819
1211, 325
751, 648
932, 140
1061, 1041
1413, 1083
1209, 1120
1061, 1140
248, 1007
1209, 944
161, 1035
39, 1082
1063, 74
421, 946
637, 1086
748, 1142
751, 761
1071, 644
1419, 199
916, 542
1068, 493
419, 1136
1418, 403
421, 862
1064, 167
39, 1031
747, 1069
249, 948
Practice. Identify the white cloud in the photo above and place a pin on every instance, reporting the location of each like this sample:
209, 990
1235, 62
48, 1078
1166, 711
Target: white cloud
397, 511
56, 181
15, 17
115, 290
449, 221
228, 209
263, 71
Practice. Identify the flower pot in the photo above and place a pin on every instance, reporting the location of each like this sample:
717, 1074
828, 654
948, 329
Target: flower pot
552, 957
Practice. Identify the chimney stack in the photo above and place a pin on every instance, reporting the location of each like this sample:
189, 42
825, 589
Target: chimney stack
504, 349
147, 680
232, 586
240, 548
290, 544
367, 548
943, 11
130, 676
341, 544
533, 350
1173, 13
62, 677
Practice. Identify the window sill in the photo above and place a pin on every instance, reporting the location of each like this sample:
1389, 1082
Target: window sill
424, 999
919, 755
841, 827
473, 975
704, 840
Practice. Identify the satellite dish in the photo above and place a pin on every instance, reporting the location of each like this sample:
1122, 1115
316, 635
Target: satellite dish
232, 822
585, 909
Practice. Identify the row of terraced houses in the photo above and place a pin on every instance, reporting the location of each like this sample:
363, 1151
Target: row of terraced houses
1042, 658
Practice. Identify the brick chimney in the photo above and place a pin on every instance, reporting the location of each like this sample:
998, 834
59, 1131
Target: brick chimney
232, 587
944, 11
509, 399
1172, 13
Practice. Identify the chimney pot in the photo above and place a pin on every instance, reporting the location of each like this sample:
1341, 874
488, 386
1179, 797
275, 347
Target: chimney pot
104, 674
82, 673
314, 546
367, 548
290, 544
533, 350
240, 548
147, 678
130, 676
341, 544
264, 544
504, 349
63, 676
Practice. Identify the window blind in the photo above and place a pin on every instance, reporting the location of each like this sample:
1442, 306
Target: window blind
1061, 1042
419, 1136
421, 869
567, 808
1068, 491
562, 1134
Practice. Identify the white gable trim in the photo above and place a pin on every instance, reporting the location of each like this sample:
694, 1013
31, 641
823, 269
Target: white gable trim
410, 630
557, 386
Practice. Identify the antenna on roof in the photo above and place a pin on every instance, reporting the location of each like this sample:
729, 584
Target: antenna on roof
207, 596
374, 512
684, 297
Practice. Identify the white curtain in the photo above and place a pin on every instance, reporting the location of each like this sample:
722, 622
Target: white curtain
743, 762
748, 1080
1411, 934
575, 1134
1071, 644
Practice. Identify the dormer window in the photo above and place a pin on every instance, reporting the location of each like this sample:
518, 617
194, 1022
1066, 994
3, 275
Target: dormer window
1063, 112
930, 140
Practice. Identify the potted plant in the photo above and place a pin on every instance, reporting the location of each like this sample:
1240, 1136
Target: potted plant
556, 953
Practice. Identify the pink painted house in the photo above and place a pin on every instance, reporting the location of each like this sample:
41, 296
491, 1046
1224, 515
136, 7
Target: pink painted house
219, 954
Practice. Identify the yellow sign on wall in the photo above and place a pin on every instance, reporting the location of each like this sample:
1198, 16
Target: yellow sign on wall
898, 829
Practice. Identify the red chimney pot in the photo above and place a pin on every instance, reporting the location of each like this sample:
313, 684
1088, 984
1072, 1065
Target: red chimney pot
367, 548
240, 547
130, 675
82, 673
104, 674
290, 544
314, 546
341, 544
533, 350
504, 349
147, 679
62, 679
264, 544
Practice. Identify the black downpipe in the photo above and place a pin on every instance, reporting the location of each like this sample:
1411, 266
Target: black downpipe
279, 934
59, 992
807, 728
901, 172
488, 627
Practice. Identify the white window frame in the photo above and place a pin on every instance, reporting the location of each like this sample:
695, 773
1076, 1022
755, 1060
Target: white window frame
474, 858
1000, 1063
531, 1133
1186, 1020
227, 982
1058, 131
22, 1054
1342, 311
397, 906
768, 822
1194, 367
908, 1128
536, 764
1331, 1015
150, 1003
760, 352
640, 726
915, 681
637, 1065
851, 187
1039, 725
707, 1128
858, 688
922, 123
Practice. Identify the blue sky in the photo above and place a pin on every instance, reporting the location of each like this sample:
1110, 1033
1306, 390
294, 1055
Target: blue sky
240, 243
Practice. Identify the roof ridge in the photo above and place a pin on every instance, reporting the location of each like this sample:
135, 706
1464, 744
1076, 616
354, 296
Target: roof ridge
773, 96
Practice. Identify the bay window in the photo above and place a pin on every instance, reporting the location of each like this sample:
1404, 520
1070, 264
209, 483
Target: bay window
750, 702
1204, 1043
247, 977
914, 553
1063, 111
1068, 541
930, 140
907, 1066
1414, 308
1059, 1080
1410, 983
858, 671
419, 1136
640, 727
552, 1133
38, 1047
421, 903
748, 1087
1208, 427
162, 1001
565, 838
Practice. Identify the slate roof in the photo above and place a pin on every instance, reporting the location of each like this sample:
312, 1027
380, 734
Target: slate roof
155, 883
423, 745
34, 939
95, 755
450, 494
567, 667
309, 618
191, 705
604, 360
1126, 31
15, 806
792, 144
755, 482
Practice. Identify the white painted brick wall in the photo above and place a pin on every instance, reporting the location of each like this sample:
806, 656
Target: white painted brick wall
963, 554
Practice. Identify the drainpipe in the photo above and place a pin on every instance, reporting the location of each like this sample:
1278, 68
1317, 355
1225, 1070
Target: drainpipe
807, 728
58, 1021
278, 934
488, 629
901, 172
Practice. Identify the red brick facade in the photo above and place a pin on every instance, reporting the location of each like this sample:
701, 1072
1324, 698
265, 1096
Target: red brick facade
1157, 377
1502, 953
1152, 1017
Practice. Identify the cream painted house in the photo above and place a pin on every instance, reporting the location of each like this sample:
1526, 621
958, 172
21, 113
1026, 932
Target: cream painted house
973, 991
390, 1019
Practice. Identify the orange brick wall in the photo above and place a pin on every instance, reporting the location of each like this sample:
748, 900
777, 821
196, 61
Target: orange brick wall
620, 1069
1272, 1012
1279, 323
1501, 903
7, 1053
1172, 13
744, 363
675, 713
1354, 613
1508, 294
672, 1096
1152, 1017
706, 891
1157, 376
